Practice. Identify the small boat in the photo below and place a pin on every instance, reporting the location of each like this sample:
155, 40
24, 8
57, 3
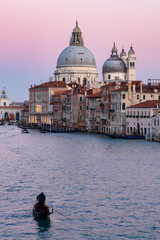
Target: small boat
41, 212
132, 137
43, 131
125, 136
113, 135
25, 130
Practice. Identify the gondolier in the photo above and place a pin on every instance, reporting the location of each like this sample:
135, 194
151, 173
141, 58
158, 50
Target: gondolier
41, 200
40, 209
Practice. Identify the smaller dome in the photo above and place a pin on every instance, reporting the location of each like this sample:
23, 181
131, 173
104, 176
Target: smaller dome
76, 30
131, 51
114, 65
122, 54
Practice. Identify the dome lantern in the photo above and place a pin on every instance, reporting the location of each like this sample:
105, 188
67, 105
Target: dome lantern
131, 51
76, 38
122, 54
114, 51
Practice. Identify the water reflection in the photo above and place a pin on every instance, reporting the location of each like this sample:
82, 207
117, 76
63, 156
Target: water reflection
43, 224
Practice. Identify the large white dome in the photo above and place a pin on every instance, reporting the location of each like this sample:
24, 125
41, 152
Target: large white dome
76, 56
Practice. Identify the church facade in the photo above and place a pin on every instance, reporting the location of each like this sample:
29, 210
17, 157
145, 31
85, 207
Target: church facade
119, 67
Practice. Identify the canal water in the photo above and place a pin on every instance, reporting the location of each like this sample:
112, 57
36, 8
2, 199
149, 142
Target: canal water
108, 188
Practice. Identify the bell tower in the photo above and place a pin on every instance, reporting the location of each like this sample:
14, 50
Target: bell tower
131, 65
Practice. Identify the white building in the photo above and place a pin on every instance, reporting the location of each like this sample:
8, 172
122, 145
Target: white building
127, 94
8, 111
40, 101
122, 67
139, 118
156, 127
76, 63
4, 100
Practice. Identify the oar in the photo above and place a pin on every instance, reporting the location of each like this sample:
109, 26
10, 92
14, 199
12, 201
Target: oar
58, 212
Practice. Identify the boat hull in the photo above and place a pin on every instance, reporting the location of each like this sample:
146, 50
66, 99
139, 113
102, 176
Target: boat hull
41, 213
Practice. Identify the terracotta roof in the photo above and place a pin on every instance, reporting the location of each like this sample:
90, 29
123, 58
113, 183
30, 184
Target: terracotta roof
109, 84
145, 88
112, 84
53, 84
124, 86
147, 104
60, 92
95, 95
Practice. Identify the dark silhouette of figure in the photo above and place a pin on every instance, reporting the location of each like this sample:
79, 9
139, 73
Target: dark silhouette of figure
41, 200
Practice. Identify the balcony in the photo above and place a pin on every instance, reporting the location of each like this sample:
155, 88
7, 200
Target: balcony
92, 107
103, 116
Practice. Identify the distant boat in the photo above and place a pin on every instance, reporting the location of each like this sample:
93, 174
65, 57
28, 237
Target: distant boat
43, 131
125, 136
113, 135
25, 131
132, 137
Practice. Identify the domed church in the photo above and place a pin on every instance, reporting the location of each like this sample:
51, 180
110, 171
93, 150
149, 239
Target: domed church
76, 63
122, 67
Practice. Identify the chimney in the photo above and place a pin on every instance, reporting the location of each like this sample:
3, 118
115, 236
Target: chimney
129, 85
134, 87
141, 87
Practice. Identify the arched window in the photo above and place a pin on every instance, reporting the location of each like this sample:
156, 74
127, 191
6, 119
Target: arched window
84, 81
123, 106
123, 96
133, 64
78, 80
130, 64
109, 76
159, 97
64, 80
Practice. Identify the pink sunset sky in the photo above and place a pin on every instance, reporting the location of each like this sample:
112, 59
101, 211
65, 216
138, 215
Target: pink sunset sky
34, 32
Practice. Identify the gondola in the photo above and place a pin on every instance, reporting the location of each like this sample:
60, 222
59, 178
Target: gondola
25, 130
42, 130
41, 212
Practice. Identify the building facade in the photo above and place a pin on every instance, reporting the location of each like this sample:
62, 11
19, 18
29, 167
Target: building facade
93, 111
40, 101
121, 67
139, 118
